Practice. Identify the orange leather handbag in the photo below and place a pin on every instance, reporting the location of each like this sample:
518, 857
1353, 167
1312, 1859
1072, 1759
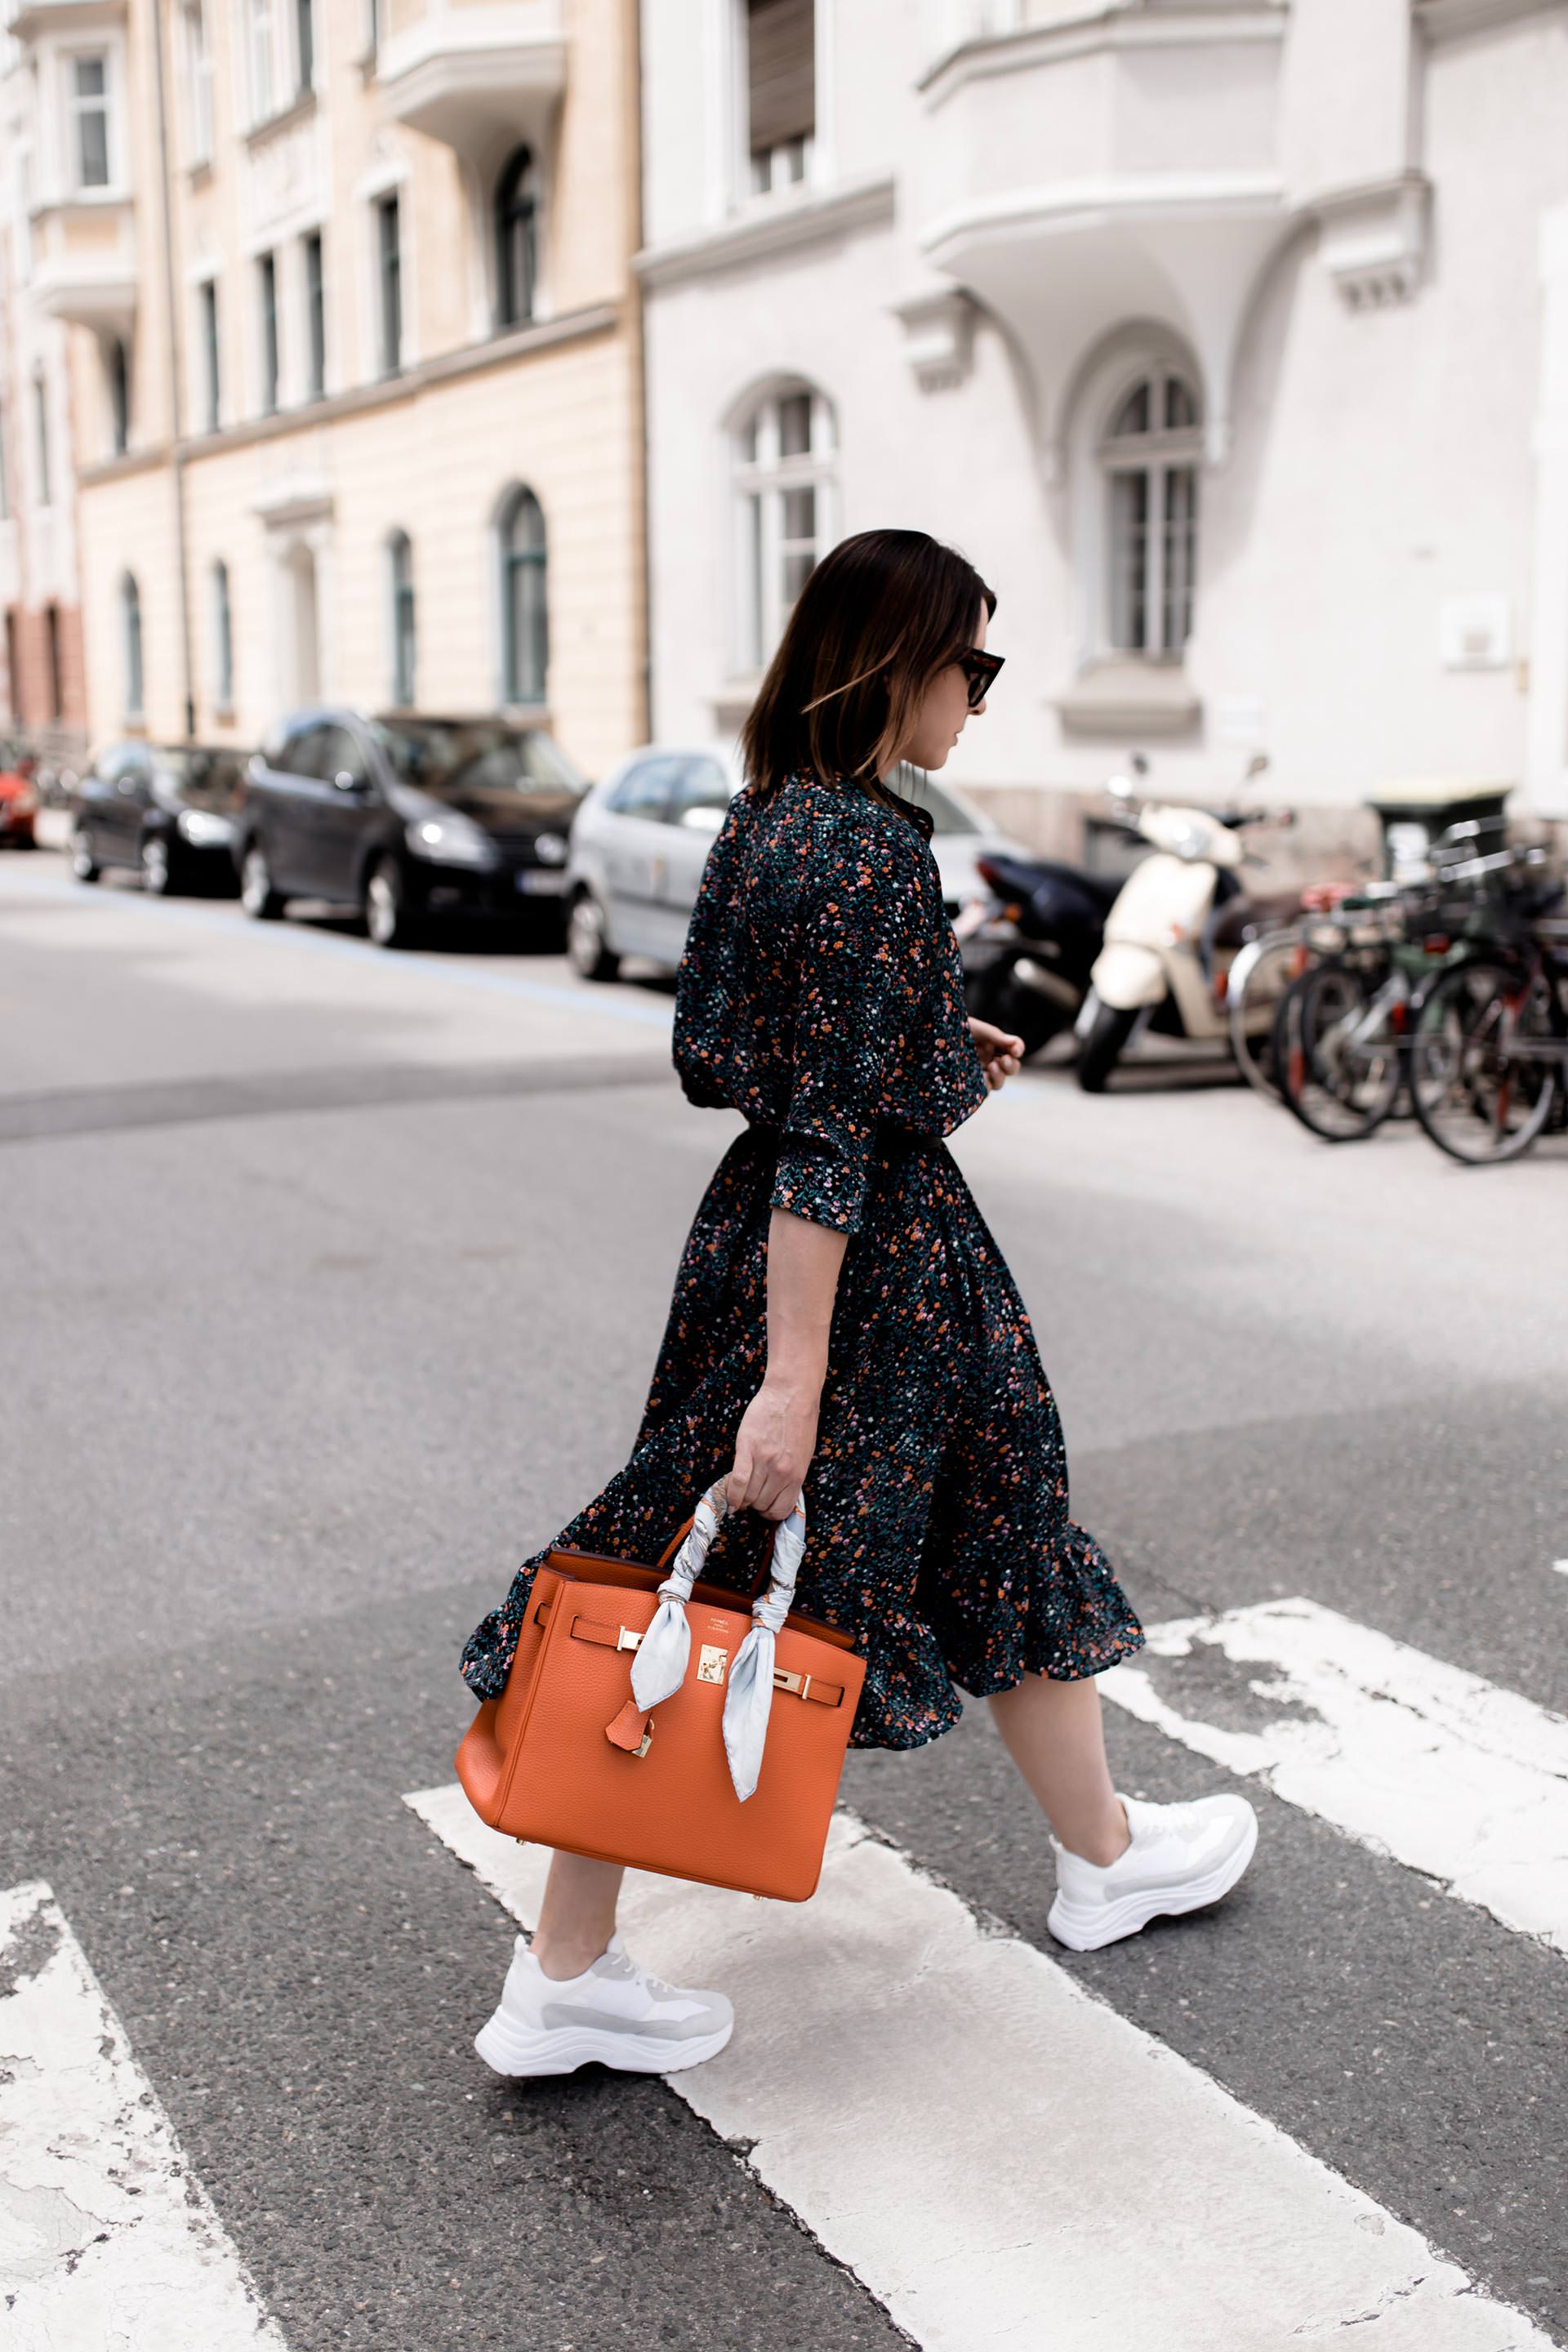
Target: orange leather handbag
658, 1722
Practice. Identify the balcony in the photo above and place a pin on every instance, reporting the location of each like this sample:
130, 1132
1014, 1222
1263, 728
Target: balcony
480, 75
26, 19
1097, 164
84, 262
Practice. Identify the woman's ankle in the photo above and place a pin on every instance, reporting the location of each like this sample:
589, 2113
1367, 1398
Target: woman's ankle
562, 1957
1103, 1842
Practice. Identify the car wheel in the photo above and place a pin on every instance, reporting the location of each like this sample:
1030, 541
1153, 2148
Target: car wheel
588, 940
84, 855
388, 916
157, 867
258, 895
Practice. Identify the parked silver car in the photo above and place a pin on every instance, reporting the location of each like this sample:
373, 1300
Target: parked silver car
641, 838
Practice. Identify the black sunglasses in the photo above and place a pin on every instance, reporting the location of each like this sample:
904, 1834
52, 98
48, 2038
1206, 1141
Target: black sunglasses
980, 669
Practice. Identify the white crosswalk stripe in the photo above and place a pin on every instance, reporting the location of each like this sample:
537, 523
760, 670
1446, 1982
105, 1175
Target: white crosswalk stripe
107, 2243
1003, 2161
1418, 1759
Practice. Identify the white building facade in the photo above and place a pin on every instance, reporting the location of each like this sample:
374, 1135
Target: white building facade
1229, 338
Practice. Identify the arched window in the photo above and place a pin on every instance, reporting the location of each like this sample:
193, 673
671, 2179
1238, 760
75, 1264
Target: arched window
400, 585
517, 240
783, 475
1150, 455
525, 609
131, 625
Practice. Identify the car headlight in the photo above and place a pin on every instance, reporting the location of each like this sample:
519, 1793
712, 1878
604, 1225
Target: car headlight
450, 841
550, 848
203, 830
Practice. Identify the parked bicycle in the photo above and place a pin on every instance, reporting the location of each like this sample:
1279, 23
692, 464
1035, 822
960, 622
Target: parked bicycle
1490, 1053
1384, 972
1342, 1026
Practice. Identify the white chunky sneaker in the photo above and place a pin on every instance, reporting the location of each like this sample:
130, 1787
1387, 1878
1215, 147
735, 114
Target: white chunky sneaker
1181, 1857
614, 2012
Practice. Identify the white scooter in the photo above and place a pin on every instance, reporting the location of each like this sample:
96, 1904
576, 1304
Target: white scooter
1157, 962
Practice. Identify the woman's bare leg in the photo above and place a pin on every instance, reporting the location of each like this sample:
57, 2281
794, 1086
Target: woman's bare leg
1054, 1733
577, 1917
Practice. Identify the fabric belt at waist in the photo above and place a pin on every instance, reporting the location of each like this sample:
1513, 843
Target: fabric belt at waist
888, 1137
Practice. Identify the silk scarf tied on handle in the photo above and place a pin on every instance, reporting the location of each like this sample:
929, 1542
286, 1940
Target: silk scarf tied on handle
664, 1653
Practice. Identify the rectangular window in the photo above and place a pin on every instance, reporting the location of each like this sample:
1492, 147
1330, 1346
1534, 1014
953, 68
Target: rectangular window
90, 110
305, 44
117, 367
41, 426
390, 257
52, 658
403, 639
223, 639
1130, 500
199, 82
13, 666
315, 319
1181, 550
266, 286
207, 302
780, 74
260, 25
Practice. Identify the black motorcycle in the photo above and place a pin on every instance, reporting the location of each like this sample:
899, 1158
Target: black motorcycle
1027, 957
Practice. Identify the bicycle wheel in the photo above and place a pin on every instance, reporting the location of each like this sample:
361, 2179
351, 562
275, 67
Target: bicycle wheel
1271, 967
1337, 1049
1487, 1065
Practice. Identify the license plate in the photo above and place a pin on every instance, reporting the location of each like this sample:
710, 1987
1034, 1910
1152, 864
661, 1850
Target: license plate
540, 882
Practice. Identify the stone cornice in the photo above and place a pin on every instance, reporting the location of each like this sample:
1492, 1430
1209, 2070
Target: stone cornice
447, 367
778, 226
1447, 19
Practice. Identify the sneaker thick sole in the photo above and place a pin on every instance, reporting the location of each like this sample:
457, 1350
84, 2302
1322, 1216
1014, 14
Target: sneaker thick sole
514, 2050
1086, 1927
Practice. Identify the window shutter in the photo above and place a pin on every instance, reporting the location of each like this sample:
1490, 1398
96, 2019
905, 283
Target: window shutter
781, 41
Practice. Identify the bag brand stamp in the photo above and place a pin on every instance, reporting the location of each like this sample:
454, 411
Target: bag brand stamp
710, 1661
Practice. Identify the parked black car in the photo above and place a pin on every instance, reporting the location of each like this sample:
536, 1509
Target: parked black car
167, 810
408, 817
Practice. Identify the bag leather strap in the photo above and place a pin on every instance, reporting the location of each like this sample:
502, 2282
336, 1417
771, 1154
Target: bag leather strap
621, 1637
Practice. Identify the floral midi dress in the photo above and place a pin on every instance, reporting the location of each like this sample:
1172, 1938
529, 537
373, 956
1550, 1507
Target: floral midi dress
821, 996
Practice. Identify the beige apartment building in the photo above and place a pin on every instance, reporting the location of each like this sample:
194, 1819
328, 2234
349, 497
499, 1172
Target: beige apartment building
357, 408
42, 686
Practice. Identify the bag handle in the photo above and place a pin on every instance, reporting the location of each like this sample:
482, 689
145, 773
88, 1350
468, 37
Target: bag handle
684, 1529
664, 1653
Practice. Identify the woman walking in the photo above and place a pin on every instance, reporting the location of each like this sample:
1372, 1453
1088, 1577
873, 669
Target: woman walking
844, 1321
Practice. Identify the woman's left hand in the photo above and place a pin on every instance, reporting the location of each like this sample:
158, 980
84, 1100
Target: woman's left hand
1001, 1055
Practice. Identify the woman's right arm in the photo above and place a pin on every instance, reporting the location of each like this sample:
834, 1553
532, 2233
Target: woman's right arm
777, 1435
862, 958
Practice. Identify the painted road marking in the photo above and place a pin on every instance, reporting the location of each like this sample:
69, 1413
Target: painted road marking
1076, 2186
1419, 1761
107, 2243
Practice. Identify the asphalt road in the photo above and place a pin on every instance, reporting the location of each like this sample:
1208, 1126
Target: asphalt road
332, 1284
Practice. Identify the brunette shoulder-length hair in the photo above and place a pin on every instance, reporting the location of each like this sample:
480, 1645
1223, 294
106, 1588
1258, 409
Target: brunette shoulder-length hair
875, 622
